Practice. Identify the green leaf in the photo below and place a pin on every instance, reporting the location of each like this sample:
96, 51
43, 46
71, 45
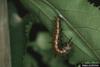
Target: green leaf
80, 21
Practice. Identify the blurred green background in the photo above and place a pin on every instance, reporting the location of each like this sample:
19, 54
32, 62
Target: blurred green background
80, 21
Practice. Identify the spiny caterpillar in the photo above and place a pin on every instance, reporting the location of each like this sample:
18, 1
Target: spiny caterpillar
56, 39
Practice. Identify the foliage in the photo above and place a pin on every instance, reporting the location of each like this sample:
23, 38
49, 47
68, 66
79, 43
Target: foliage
81, 22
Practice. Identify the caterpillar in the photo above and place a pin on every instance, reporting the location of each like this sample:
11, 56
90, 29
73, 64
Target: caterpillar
56, 43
